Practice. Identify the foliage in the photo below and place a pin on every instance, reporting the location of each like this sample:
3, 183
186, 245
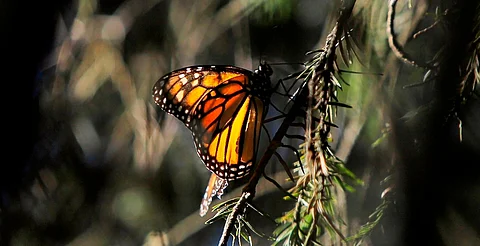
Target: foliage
386, 96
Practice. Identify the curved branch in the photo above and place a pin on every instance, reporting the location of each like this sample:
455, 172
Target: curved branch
393, 43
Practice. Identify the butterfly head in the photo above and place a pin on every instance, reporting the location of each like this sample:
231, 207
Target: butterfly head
264, 69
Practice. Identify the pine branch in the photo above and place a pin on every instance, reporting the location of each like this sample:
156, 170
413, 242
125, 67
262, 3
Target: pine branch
392, 41
314, 212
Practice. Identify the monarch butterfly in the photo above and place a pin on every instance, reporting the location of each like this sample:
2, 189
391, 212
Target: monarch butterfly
223, 107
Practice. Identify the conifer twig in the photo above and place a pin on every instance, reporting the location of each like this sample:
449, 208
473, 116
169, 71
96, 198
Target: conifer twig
392, 41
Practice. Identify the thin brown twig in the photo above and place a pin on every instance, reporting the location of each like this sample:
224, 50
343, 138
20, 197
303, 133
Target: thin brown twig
397, 49
426, 29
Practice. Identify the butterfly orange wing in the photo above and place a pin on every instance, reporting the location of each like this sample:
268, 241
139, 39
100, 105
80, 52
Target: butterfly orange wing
230, 151
224, 116
222, 108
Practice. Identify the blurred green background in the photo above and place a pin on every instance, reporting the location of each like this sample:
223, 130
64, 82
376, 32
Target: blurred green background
109, 168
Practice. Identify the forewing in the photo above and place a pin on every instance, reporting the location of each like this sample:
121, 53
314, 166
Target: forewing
180, 92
